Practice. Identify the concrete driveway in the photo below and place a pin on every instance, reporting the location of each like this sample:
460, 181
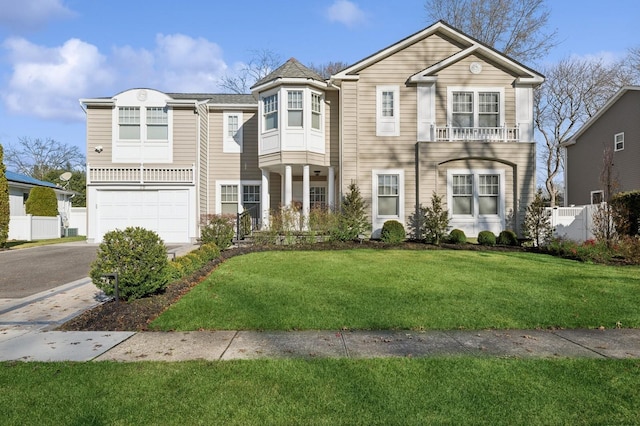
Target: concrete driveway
29, 271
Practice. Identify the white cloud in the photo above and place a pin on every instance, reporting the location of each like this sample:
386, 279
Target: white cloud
47, 82
346, 12
31, 14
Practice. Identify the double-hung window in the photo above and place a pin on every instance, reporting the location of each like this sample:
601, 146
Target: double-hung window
462, 112
270, 112
129, 123
488, 193
618, 142
316, 111
462, 194
251, 200
232, 137
488, 109
157, 123
294, 108
388, 195
229, 199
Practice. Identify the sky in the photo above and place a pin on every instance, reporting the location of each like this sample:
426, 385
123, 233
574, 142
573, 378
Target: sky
55, 52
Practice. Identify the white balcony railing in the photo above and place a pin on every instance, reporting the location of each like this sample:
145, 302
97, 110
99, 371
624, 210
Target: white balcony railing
140, 174
482, 134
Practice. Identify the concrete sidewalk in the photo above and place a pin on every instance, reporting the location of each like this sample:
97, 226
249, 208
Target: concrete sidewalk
229, 345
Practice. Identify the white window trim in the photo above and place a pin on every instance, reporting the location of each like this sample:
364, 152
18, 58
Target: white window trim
476, 90
321, 95
380, 219
240, 184
304, 93
139, 144
232, 145
476, 192
263, 115
616, 141
601, 192
386, 126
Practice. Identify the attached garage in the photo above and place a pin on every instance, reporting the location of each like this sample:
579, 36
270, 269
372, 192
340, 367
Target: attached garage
166, 212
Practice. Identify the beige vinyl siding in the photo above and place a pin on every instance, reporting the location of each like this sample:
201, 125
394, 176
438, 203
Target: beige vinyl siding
237, 166
349, 129
438, 157
185, 136
275, 185
332, 128
99, 132
459, 75
203, 160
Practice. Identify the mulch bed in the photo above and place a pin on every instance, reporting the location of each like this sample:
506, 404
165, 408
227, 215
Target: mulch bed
138, 314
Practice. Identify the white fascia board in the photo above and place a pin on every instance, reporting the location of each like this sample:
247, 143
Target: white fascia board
290, 81
98, 102
182, 102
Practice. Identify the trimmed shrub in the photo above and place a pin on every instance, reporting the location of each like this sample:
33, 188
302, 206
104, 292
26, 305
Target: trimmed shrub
138, 256
218, 229
457, 236
436, 220
487, 238
42, 202
393, 232
508, 238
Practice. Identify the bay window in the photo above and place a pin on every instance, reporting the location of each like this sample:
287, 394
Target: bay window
316, 111
270, 112
294, 108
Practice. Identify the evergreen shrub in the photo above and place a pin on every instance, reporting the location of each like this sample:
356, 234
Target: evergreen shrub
487, 238
393, 232
457, 236
508, 238
138, 256
42, 201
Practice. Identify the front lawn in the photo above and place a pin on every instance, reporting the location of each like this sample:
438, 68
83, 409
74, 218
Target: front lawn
323, 392
402, 289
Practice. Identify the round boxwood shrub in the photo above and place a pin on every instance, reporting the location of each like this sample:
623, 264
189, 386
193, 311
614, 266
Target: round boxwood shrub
487, 238
508, 238
42, 202
392, 232
138, 256
457, 236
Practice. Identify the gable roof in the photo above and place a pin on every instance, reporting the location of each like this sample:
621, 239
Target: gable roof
572, 140
471, 45
292, 69
19, 178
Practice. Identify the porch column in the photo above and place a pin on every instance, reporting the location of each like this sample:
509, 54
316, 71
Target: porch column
331, 188
288, 184
265, 200
306, 202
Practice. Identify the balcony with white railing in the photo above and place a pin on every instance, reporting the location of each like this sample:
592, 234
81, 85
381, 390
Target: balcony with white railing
480, 134
141, 174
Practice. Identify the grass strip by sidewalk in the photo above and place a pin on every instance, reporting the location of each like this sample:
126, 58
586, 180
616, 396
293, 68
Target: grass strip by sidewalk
328, 391
402, 289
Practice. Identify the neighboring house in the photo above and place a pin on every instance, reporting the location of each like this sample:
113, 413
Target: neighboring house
19, 188
436, 112
616, 127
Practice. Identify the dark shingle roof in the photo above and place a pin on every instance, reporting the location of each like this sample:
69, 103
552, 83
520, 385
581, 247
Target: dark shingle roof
290, 69
217, 98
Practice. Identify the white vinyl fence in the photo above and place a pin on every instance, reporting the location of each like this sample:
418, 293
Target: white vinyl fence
78, 220
573, 223
29, 228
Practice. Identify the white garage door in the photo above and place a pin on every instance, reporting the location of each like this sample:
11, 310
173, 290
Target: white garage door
163, 211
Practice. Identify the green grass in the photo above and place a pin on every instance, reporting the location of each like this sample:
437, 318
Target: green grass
399, 289
323, 392
14, 245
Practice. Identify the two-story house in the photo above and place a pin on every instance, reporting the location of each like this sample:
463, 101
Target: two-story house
615, 127
437, 112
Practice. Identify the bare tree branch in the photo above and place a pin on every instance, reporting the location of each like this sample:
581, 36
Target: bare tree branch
326, 70
516, 28
36, 157
262, 62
